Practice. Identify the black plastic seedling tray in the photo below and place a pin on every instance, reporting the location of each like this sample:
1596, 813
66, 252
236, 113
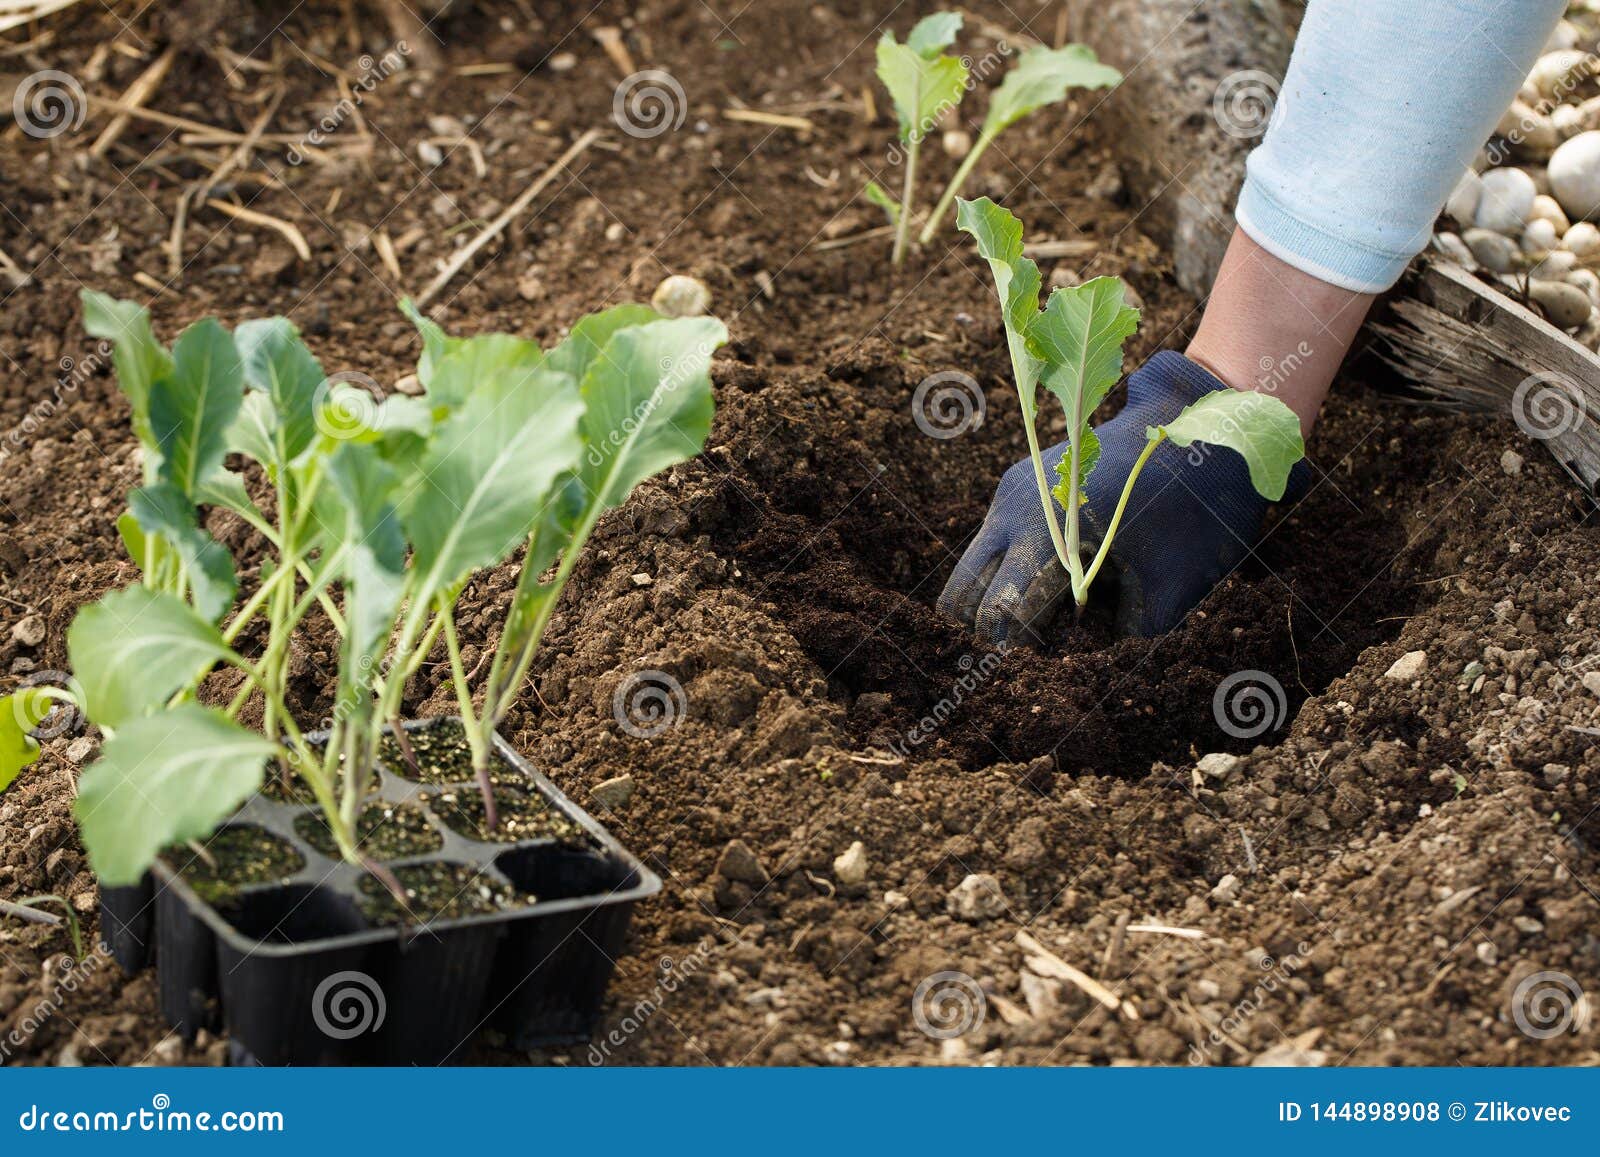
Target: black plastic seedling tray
295, 974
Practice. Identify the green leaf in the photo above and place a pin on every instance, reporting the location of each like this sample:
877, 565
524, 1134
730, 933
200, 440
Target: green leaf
134, 648
1263, 430
140, 359
488, 472
1079, 336
879, 196
998, 233
192, 409
20, 713
226, 489
933, 34
251, 432
499, 362
578, 350
361, 527
1088, 456
647, 404
435, 342
163, 512
1044, 76
162, 780
277, 363
923, 89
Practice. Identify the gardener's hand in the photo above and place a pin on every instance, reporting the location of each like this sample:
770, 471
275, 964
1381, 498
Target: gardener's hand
1191, 519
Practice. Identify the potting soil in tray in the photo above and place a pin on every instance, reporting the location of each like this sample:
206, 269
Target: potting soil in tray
307, 959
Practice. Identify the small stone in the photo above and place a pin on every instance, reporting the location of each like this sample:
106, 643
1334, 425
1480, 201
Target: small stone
1591, 682
1506, 201
1494, 251
1462, 206
895, 899
850, 867
739, 863
1511, 462
80, 749
641, 579
563, 62
1527, 925
1227, 890
1566, 306
530, 286
957, 143
430, 154
1063, 276
616, 231
1487, 952
29, 631
1574, 175
1556, 774
1408, 667
680, 296
410, 386
1218, 764
613, 793
1582, 239
976, 898
1288, 1056
953, 1049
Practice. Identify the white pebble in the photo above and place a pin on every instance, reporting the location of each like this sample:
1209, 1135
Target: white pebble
1408, 667
1565, 305
1539, 237
1511, 462
1582, 239
680, 296
1455, 249
1547, 208
850, 867
1574, 174
1463, 203
1559, 73
1588, 281
957, 143
1554, 266
1507, 200
1494, 251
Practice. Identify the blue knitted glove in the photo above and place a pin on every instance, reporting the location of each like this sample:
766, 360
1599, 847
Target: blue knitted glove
1192, 517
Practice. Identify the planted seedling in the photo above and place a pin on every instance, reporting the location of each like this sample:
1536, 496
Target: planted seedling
1073, 347
1043, 76
635, 398
925, 84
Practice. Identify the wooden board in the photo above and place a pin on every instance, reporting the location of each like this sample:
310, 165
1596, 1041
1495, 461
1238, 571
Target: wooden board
1456, 342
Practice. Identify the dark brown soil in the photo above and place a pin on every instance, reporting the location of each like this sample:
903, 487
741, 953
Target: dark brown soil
384, 832
1404, 853
233, 857
518, 816
437, 892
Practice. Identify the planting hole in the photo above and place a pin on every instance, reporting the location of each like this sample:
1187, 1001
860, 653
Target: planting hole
296, 914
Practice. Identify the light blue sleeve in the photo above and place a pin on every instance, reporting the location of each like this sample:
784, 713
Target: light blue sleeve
1384, 105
